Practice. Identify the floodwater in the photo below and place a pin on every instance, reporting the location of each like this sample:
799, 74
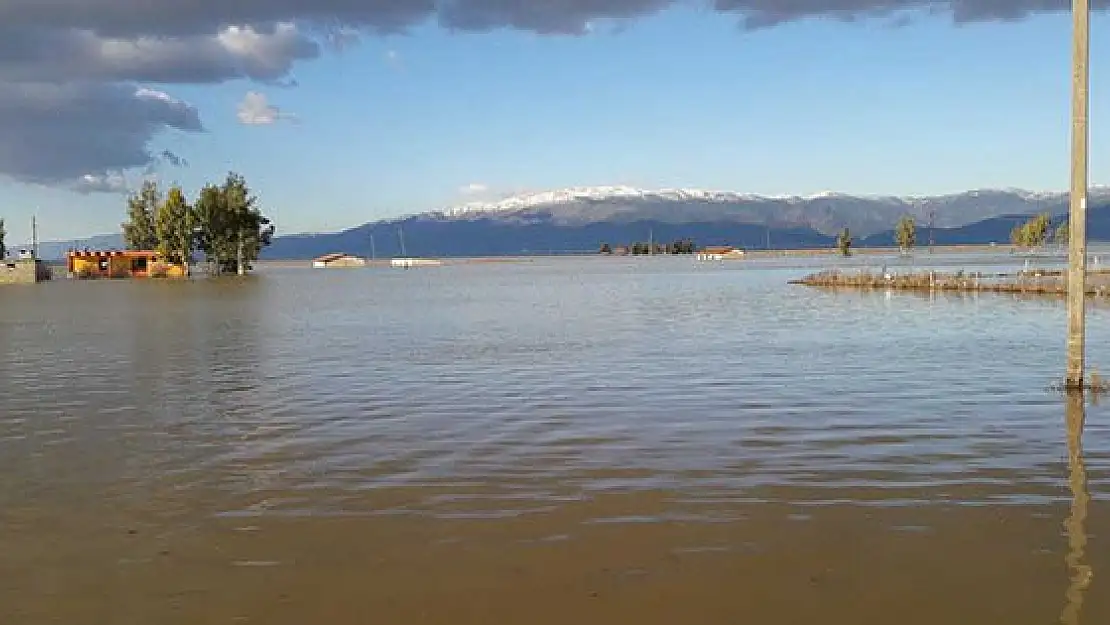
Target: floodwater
554, 441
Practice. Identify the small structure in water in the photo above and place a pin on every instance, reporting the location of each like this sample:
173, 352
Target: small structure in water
408, 263
338, 260
90, 264
721, 252
25, 268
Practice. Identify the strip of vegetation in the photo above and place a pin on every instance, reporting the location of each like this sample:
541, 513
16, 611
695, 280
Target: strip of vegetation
681, 246
1025, 282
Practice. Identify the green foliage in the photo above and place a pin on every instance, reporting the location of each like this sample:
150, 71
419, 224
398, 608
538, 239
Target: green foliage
139, 231
844, 242
681, 246
231, 230
1032, 233
1061, 234
3, 234
173, 226
905, 233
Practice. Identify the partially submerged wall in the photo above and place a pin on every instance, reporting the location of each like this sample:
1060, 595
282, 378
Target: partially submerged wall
23, 271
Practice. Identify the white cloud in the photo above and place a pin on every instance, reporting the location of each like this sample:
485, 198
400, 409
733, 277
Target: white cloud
256, 110
112, 182
474, 188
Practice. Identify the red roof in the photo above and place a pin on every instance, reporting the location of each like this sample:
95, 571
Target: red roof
126, 253
328, 258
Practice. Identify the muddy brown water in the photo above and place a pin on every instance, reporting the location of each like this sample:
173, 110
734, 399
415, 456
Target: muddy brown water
561, 441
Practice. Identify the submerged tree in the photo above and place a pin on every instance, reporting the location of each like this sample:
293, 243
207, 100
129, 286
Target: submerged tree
173, 223
1062, 233
1032, 233
905, 233
844, 242
139, 232
230, 229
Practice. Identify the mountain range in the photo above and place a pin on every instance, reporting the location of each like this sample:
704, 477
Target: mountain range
578, 220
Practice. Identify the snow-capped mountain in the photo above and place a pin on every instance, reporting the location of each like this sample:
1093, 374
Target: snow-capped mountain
624, 193
826, 212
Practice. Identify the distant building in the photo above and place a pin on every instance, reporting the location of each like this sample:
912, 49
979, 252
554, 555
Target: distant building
408, 263
87, 264
338, 260
722, 252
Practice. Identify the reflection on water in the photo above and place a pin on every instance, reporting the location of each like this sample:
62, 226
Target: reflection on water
559, 441
1080, 573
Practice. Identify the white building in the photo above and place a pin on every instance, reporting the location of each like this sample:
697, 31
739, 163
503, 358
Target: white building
719, 253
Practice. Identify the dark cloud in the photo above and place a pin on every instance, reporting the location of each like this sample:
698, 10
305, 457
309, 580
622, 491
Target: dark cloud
766, 13
58, 134
172, 159
72, 114
129, 18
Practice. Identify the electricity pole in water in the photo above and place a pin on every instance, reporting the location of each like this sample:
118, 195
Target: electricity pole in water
1077, 212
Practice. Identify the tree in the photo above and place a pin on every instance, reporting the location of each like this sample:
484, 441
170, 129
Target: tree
3, 234
1062, 233
231, 230
139, 231
844, 242
1032, 233
905, 233
173, 226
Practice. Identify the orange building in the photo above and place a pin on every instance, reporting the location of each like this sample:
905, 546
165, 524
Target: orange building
121, 264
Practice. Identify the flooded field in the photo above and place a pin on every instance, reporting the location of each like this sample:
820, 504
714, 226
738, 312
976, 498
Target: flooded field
596, 440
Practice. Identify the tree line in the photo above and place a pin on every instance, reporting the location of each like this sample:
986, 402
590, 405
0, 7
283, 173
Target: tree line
1035, 232
679, 246
225, 223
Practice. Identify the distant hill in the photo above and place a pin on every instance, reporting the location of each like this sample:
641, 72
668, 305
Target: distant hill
54, 250
996, 230
579, 220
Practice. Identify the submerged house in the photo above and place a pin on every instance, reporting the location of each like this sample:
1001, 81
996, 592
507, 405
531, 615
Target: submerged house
338, 260
721, 252
122, 264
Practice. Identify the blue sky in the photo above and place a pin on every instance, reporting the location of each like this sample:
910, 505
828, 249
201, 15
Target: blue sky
401, 124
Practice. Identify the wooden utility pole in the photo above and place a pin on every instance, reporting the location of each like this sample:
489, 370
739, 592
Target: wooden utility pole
1077, 213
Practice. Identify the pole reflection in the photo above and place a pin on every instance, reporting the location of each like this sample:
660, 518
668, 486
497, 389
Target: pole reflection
1075, 525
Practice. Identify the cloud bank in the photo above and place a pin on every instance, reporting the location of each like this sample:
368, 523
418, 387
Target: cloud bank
85, 85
